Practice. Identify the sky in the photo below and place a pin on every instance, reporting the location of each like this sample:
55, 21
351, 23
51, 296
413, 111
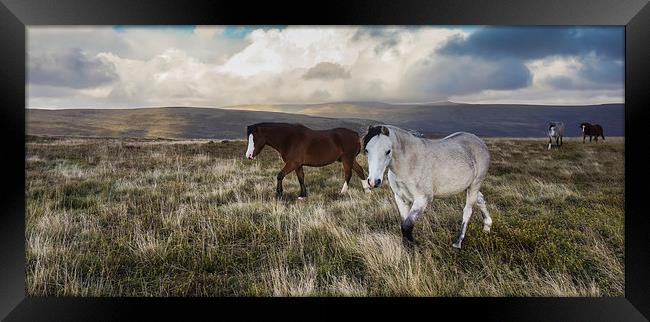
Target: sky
139, 66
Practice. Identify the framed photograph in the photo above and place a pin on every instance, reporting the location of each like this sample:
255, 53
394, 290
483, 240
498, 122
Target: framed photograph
192, 158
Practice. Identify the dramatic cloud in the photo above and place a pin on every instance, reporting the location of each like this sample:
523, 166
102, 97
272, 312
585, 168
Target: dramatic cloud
220, 66
326, 70
597, 53
464, 76
72, 68
538, 42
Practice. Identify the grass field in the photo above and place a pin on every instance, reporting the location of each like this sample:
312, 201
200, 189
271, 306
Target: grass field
112, 217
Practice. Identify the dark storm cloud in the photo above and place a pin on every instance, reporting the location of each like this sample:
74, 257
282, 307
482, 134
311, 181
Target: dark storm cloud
600, 50
442, 77
528, 43
326, 70
72, 68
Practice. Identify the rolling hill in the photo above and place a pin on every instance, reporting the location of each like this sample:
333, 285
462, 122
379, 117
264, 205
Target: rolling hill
442, 118
434, 120
167, 122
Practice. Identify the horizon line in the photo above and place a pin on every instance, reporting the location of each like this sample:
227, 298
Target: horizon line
440, 103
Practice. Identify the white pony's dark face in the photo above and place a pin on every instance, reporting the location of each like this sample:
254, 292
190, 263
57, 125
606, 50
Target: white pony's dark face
379, 151
551, 130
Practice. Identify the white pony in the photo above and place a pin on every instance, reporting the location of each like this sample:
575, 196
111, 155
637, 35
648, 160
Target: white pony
420, 169
555, 131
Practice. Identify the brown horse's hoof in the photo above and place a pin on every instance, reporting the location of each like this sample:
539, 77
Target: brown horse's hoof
345, 188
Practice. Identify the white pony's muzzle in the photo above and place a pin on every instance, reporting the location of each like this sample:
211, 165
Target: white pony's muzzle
374, 183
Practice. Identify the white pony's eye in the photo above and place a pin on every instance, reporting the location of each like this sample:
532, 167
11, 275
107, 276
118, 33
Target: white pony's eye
388, 152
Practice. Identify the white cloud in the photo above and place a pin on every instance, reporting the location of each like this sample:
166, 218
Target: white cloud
206, 67
276, 51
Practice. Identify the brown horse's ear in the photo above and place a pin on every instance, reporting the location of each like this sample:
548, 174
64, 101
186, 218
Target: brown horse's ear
384, 130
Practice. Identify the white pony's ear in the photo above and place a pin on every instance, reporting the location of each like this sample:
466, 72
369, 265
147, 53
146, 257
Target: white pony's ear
384, 130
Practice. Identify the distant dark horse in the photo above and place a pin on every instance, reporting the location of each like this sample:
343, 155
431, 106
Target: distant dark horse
591, 130
301, 146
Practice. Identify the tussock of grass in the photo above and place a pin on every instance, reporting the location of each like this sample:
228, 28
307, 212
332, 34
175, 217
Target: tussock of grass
112, 217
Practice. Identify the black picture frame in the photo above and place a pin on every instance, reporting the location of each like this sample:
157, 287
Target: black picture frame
16, 15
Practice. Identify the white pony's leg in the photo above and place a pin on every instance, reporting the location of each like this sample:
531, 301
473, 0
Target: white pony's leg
401, 206
472, 196
487, 219
419, 204
365, 185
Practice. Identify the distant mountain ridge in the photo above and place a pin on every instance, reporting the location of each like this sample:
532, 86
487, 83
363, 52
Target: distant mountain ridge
167, 122
432, 119
442, 118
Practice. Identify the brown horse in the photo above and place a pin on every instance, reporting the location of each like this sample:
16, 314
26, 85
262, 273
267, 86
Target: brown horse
591, 130
301, 146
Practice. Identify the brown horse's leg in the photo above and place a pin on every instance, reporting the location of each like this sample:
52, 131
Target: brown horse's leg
301, 179
288, 167
347, 173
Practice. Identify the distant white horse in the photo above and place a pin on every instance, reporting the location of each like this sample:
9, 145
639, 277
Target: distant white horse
555, 131
420, 169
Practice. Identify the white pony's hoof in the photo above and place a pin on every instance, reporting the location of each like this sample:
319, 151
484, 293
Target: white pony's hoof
302, 198
486, 228
456, 245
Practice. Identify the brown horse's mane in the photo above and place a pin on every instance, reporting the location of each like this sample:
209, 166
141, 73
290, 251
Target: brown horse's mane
251, 128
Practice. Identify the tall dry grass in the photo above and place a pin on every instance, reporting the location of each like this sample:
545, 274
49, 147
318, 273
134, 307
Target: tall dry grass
194, 218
